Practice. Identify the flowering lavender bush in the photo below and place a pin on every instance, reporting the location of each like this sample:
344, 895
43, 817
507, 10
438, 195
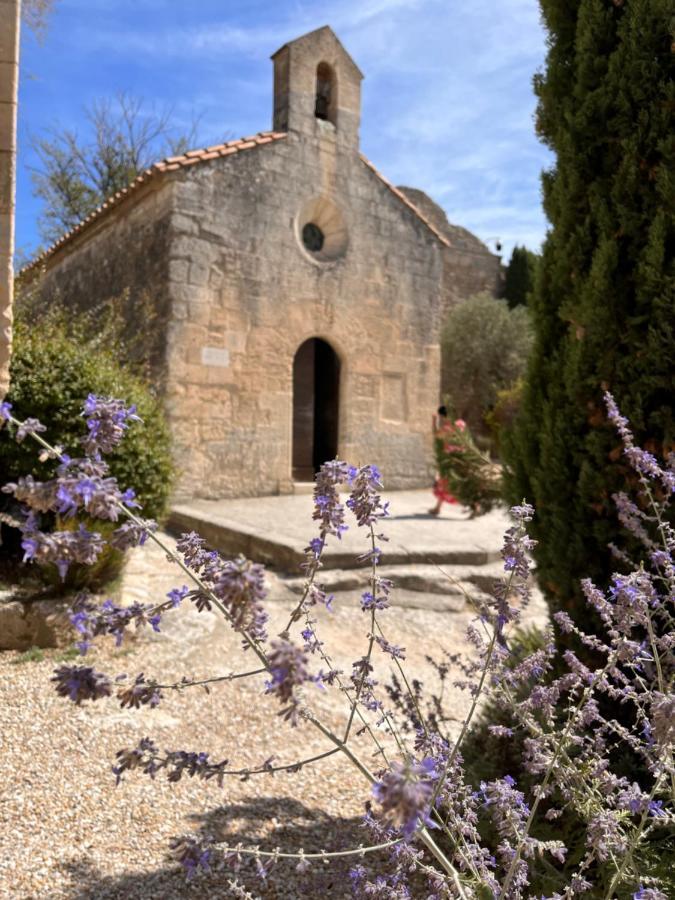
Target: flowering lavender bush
491, 839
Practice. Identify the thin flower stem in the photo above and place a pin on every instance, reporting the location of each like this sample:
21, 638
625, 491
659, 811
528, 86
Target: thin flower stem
179, 685
270, 770
308, 584
324, 854
401, 671
371, 642
627, 857
343, 687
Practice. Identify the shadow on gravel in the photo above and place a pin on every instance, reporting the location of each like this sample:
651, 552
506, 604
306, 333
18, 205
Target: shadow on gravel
269, 822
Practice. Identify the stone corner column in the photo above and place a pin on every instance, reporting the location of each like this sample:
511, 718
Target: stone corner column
9, 82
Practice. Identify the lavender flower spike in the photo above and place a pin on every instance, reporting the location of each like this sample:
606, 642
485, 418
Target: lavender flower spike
107, 420
405, 792
80, 683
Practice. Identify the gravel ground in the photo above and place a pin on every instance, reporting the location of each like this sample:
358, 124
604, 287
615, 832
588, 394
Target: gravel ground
66, 831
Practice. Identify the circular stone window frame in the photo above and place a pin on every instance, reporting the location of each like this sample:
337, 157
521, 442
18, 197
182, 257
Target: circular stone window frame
325, 215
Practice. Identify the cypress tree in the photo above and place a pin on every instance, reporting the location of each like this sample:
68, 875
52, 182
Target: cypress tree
604, 300
519, 277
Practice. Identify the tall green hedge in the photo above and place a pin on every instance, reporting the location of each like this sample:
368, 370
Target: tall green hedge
604, 302
519, 276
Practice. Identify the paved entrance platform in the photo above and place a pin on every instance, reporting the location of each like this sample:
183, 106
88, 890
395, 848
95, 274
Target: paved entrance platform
276, 530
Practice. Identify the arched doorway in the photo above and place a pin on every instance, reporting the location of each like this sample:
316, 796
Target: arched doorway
316, 397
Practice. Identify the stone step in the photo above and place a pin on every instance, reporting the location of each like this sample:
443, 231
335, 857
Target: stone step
276, 530
451, 580
303, 487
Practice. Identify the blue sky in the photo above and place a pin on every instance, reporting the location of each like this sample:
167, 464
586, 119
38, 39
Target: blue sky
447, 98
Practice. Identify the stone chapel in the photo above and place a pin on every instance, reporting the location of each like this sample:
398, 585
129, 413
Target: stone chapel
289, 296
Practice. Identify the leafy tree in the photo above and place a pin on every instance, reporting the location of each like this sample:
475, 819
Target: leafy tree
604, 298
77, 174
485, 347
519, 278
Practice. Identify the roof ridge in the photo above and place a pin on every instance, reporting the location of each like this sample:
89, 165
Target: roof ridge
168, 164
402, 197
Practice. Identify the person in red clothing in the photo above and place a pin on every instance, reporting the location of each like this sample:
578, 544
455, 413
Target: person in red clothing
440, 425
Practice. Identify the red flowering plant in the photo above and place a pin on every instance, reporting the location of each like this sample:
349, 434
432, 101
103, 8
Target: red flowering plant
465, 474
425, 815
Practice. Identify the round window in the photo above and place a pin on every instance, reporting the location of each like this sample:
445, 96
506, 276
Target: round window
312, 237
321, 230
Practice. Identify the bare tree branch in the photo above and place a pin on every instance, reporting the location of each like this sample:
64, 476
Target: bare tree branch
35, 14
76, 173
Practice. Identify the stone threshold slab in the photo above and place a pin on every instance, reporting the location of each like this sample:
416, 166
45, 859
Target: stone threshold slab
265, 541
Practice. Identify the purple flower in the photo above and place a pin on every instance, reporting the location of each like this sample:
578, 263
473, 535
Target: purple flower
288, 668
370, 602
644, 893
177, 595
404, 793
392, 650
193, 854
140, 693
28, 426
643, 462
663, 718
81, 683
604, 835
107, 420
328, 509
129, 499
132, 534
364, 499
5, 412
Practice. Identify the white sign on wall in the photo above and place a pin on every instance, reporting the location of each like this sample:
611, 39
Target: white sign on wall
215, 356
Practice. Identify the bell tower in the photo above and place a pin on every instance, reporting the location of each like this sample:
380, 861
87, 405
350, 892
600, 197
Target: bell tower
317, 89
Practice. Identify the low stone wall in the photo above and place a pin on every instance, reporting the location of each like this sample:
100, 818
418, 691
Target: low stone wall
38, 623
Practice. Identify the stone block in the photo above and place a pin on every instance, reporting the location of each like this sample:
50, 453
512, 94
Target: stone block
199, 273
178, 270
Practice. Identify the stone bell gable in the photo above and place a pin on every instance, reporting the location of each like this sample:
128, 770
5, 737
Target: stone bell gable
316, 81
289, 296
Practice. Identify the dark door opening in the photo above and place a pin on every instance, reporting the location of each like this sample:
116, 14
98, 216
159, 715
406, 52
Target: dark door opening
316, 394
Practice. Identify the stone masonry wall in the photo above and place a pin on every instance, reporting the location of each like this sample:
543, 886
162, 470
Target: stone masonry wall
123, 259
469, 267
246, 294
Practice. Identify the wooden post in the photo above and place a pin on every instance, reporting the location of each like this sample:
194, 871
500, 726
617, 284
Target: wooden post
9, 82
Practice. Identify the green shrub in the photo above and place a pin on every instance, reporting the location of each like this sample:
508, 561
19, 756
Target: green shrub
485, 347
53, 370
